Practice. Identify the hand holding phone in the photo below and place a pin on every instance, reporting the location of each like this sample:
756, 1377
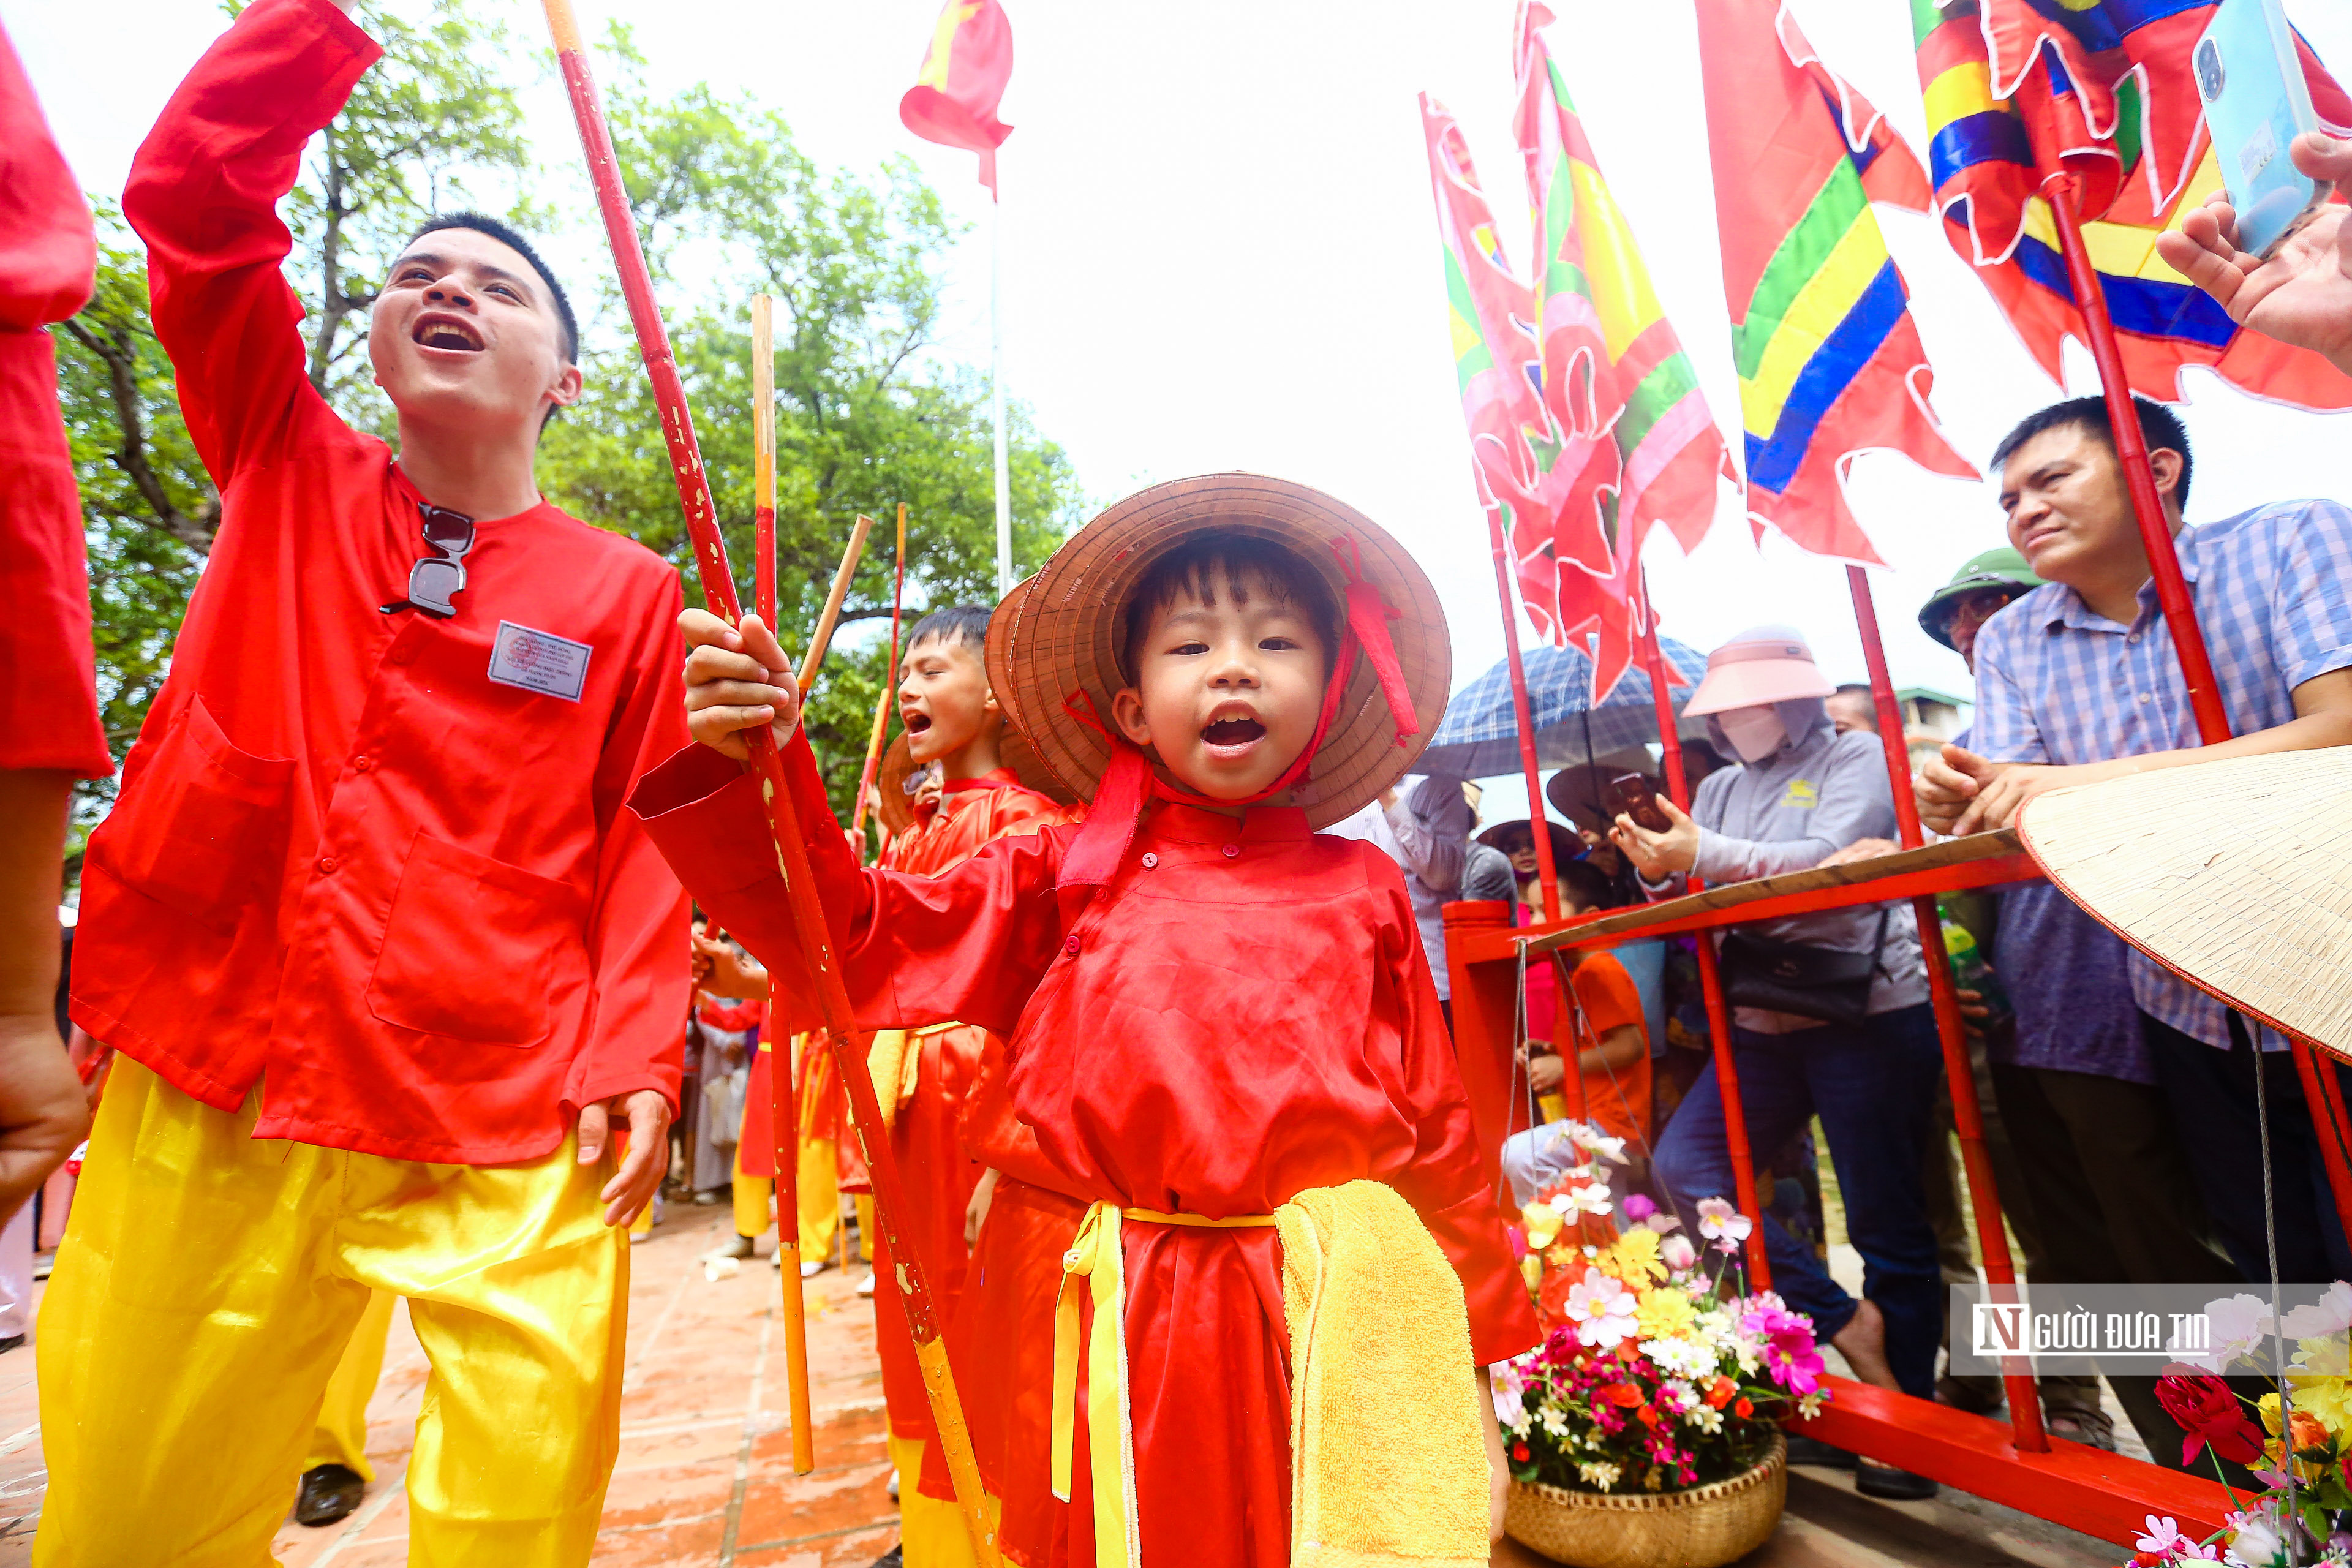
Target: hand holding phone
2250, 74
1634, 796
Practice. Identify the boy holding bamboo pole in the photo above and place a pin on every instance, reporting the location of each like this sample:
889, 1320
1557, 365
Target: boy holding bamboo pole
955, 726
1220, 1026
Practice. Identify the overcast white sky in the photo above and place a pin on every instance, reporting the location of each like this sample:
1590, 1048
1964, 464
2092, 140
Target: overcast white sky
1220, 252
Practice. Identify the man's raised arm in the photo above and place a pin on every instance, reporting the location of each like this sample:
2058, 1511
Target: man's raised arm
204, 193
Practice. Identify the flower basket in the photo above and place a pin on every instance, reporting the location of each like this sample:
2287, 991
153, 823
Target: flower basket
1700, 1528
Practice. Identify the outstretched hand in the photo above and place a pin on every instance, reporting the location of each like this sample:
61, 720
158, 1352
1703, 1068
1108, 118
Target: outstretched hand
2302, 294
737, 678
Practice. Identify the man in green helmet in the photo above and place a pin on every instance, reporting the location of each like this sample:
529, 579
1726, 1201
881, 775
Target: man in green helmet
1955, 612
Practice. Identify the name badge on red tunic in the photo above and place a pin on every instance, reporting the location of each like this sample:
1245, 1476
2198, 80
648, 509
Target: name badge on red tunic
539, 661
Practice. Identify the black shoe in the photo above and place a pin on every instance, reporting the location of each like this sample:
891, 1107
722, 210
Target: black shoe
891, 1559
13, 1341
1891, 1485
1813, 1451
329, 1493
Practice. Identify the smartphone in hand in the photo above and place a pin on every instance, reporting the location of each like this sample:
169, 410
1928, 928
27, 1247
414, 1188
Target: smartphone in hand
1634, 796
2257, 100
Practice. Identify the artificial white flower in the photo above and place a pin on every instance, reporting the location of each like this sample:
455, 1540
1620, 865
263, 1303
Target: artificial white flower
1600, 1472
2331, 1314
1676, 1253
1723, 1224
1682, 1357
1601, 1308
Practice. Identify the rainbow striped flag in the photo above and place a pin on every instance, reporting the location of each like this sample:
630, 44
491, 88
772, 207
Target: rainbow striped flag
1994, 134
1496, 367
1830, 362
2126, 64
1636, 446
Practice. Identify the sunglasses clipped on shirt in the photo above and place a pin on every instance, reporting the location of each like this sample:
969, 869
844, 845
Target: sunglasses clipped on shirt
435, 580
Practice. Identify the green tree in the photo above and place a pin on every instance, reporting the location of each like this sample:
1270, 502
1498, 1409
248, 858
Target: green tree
866, 416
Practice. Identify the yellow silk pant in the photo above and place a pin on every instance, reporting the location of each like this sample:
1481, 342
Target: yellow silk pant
208, 1284
932, 1533
820, 1199
341, 1434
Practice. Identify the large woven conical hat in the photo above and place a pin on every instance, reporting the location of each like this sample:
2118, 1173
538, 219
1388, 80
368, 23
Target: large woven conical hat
2236, 875
1057, 635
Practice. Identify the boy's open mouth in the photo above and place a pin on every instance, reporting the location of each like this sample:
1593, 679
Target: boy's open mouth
446, 333
916, 722
1233, 733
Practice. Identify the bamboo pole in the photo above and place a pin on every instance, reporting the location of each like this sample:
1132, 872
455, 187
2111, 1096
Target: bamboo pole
1710, 971
1547, 874
889, 678
2325, 1100
822, 638
783, 1094
808, 917
1951, 1029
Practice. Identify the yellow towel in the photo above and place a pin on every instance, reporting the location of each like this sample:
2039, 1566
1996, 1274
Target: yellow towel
896, 1059
1388, 1458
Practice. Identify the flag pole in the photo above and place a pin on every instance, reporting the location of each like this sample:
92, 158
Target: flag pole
1547, 874
783, 1095
1951, 1031
808, 915
996, 385
1710, 971
2324, 1095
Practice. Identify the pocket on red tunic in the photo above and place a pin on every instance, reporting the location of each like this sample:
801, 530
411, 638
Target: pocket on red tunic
474, 947
203, 828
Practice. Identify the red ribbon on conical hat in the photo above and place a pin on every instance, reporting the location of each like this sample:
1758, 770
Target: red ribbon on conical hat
1117, 809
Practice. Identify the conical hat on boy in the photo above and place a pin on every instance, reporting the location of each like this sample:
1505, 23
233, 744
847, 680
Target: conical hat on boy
1054, 647
2235, 875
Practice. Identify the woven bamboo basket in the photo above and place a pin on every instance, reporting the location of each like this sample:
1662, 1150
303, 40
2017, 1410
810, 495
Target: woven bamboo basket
1702, 1528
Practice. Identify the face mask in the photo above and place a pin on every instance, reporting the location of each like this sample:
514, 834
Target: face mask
1754, 733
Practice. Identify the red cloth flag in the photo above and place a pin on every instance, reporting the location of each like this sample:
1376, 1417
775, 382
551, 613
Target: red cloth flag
1496, 367
1830, 362
954, 99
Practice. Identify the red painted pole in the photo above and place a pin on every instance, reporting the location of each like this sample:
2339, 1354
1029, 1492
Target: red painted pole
1547, 875
1951, 1029
808, 915
2180, 612
1710, 972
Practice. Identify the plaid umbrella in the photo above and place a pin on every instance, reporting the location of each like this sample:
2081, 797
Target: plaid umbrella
1480, 737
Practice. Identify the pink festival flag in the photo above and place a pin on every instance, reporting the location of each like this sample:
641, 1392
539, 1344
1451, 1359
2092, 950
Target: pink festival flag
954, 99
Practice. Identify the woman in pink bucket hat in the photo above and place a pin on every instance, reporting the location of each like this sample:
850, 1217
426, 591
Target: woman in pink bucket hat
1832, 1016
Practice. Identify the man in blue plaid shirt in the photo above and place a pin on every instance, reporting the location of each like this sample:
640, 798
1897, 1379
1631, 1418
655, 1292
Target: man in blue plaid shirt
2078, 682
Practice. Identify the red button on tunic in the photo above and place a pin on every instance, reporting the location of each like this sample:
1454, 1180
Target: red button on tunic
1234, 1030
48, 703
495, 943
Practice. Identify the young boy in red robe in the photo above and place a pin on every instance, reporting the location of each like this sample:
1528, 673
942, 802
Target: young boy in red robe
1221, 1023
955, 726
386, 958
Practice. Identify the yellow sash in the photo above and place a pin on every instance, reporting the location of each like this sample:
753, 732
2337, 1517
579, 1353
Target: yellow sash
1110, 1444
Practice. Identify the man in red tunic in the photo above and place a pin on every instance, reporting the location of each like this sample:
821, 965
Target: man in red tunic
1214, 1013
387, 956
